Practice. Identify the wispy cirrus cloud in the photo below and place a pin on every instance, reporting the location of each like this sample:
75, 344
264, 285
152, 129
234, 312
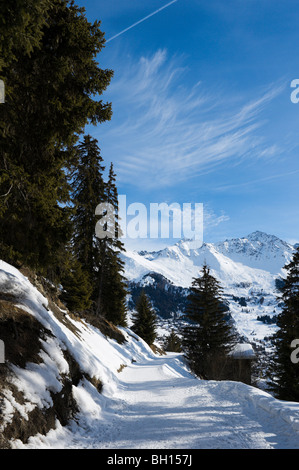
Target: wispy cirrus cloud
255, 182
164, 132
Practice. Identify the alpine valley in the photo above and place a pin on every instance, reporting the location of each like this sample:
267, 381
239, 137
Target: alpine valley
250, 271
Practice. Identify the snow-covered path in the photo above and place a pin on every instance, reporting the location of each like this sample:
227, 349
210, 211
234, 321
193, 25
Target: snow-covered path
159, 405
164, 409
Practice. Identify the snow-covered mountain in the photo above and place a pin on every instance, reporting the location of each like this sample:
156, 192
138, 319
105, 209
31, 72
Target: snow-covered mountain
249, 270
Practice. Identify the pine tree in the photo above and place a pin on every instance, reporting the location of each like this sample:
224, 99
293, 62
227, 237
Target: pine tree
173, 342
112, 291
98, 256
145, 320
284, 372
77, 288
88, 191
207, 338
88, 188
51, 75
21, 26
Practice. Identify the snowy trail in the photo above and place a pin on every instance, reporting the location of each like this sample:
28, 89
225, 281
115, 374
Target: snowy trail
159, 405
167, 410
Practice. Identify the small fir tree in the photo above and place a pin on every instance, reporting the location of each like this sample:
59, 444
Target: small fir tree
208, 338
145, 320
173, 342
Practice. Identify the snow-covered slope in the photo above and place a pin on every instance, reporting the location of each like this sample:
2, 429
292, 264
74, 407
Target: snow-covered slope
247, 269
147, 401
64, 343
159, 405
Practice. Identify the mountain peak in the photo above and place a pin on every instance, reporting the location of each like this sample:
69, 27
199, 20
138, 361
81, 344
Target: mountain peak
191, 243
261, 236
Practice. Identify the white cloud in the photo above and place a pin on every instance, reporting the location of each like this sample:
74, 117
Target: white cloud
163, 133
212, 220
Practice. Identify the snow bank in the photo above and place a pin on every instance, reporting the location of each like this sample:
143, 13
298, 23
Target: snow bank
97, 356
288, 411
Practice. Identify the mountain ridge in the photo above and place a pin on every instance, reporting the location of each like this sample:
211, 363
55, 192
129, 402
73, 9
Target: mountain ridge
248, 268
253, 251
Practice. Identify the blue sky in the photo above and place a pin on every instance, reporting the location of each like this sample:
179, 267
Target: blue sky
202, 110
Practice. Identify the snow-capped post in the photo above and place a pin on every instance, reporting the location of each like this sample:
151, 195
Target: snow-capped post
2, 352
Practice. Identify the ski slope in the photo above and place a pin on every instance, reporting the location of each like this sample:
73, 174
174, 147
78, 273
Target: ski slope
159, 405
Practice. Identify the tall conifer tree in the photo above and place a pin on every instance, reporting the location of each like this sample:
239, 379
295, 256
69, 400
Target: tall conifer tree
51, 75
111, 301
79, 276
21, 26
208, 338
88, 191
285, 372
